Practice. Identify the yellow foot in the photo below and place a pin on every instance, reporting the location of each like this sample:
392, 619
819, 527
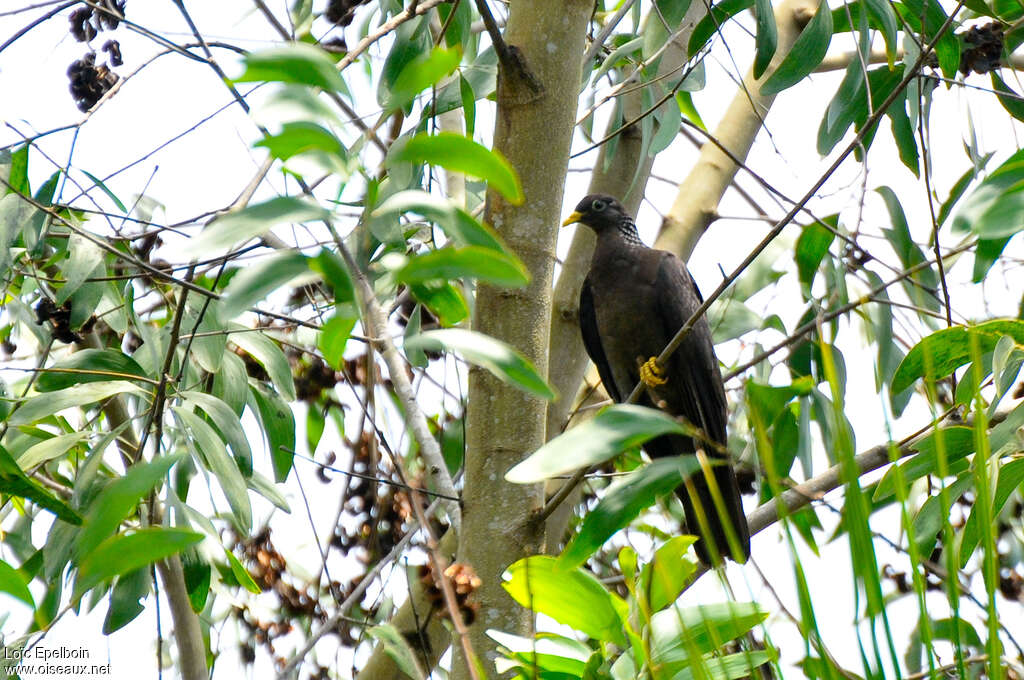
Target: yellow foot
651, 374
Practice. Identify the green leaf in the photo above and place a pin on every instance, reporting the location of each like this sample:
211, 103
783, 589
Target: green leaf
14, 584
279, 426
993, 209
1011, 476
14, 482
397, 647
678, 631
571, 597
955, 443
300, 137
87, 366
50, 403
298, 63
719, 13
17, 172
500, 359
215, 458
604, 436
728, 666
419, 74
336, 275
807, 52
48, 449
667, 574
122, 554
923, 285
108, 192
241, 574
118, 500
83, 259
444, 300
624, 500
333, 338
942, 352
254, 283
767, 36
453, 151
468, 106
769, 400
928, 521
458, 224
811, 247
228, 426
124, 600
253, 221
471, 262
270, 356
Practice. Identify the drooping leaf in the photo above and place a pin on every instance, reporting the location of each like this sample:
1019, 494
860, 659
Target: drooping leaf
942, 352
419, 74
269, 355
807, 52
279, 426
228, 425
500, 359
89, 365
253, 221
623, 501
604, 436
767, 37
993, 209
458, 224
572, 597
125, 553
297, 63
470, 262
14, 482
453, 151
14, 584
47, 404
253, 284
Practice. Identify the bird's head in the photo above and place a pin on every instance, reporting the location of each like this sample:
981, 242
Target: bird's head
599, 212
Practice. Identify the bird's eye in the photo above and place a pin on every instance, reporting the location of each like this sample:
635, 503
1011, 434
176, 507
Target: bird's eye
598, 205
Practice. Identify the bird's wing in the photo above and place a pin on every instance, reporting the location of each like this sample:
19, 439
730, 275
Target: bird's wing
592, 341
695, 382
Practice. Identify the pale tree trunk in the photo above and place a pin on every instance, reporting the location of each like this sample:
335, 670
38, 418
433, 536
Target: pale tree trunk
533, 131
696, 203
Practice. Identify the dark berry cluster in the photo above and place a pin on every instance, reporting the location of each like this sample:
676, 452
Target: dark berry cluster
342, 12
464, 582
89, 81
60, 319
982, 48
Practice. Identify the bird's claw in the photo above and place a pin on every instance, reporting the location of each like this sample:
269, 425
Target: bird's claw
651, 374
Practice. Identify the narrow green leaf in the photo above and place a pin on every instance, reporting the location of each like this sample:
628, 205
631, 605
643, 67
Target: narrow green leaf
333, 339
500, 359
1011, 476
719, 13
468, 105
117, 501
677, 631
604, 436
298, 63
279, 427
458, 224
122, 554
453, 151
572, 597
944, 351
767, 37
48, 449
624, 500
50, 403
471, 262
444, 300
87, 366
228, 425
396, 646
215, 458
956, 443
13, 482
17, 172
807, 52
270, 356
241, 574
110, 194
253, 284
253, 221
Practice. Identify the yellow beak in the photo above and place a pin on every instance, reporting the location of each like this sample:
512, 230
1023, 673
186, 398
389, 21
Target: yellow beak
573, 218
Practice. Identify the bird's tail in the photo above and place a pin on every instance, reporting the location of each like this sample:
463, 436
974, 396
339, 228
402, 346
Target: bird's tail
714, 513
